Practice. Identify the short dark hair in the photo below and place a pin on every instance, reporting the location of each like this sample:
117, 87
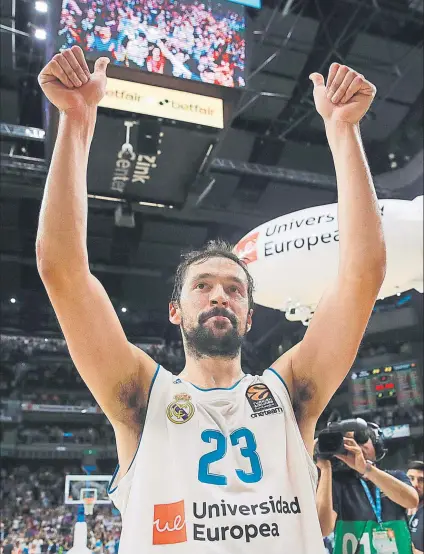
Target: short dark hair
416, 464
213, 249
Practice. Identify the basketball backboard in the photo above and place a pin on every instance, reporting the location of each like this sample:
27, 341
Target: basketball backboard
78, 487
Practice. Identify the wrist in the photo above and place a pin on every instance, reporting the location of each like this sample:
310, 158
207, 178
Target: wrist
368, 469
340, 126
324, 464
85, 115
338, 132
81, 121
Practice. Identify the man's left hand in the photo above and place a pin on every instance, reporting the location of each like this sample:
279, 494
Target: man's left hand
355, 458
346, 97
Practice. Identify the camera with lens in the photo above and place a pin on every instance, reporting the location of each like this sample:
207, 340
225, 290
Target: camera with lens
330, 440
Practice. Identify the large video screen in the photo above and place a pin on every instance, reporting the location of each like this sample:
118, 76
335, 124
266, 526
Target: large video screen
379, 387
191, 39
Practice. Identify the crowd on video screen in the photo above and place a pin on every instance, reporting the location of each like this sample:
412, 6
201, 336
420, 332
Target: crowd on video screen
191, 39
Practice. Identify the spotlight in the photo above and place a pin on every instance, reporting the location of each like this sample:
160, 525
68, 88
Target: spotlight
40, 34
41, 7
13, 300
391, 156
124, 310
393, 165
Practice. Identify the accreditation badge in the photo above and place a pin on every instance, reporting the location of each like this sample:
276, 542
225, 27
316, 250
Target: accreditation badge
384, 541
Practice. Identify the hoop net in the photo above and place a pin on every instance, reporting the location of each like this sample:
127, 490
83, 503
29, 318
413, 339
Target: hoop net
89, 505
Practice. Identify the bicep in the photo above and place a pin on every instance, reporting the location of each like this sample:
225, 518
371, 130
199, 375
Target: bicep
108, 363
331, 342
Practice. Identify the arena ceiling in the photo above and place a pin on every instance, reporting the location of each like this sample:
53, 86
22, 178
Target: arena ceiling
271, 159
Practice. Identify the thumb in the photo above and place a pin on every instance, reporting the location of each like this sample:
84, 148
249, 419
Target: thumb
101, 65
317, 79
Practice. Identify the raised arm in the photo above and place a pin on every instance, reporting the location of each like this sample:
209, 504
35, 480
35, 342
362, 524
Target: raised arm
173, 59
117, 373
316, 367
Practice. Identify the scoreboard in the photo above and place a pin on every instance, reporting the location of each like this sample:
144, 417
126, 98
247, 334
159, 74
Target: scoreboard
386, 386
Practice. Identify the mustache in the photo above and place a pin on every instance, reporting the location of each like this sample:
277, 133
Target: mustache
218, 312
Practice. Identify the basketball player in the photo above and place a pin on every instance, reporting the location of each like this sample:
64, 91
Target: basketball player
224, 461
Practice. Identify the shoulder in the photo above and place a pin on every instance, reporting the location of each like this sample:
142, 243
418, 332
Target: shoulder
301, 388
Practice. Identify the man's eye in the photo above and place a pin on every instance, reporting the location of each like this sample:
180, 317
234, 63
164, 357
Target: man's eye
200, 285
235, 289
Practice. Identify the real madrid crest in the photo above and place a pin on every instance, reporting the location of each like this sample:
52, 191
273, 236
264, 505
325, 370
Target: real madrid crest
181, 409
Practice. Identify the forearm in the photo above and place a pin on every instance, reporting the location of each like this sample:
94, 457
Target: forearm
324, 501
400, 493
62, 229
362, 247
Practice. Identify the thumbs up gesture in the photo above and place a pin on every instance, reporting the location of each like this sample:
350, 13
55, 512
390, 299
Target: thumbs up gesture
346, 96
68, 83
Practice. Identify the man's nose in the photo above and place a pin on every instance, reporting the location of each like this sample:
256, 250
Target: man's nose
218, 296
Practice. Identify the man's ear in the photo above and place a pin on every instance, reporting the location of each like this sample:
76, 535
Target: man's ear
249, 320
174, 313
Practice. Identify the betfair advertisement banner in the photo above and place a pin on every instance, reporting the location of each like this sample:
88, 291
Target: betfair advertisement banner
162, 102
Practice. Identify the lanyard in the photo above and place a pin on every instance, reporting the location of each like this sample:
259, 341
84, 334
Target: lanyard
376, 506
411, 519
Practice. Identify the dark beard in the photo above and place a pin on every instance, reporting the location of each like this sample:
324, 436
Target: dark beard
201, 342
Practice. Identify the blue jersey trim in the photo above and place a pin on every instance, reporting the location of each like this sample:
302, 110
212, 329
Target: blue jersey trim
282, 380
109, 488
217, 388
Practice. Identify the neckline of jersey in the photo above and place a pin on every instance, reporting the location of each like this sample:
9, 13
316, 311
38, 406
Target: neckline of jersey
215, 388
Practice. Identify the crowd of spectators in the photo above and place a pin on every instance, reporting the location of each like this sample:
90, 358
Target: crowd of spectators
34, 519
22, 358
18, 348
199, 40
380, 349
399, 415
101, 435
387, 417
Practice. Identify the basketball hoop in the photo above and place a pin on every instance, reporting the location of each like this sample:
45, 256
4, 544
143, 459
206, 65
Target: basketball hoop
88, 505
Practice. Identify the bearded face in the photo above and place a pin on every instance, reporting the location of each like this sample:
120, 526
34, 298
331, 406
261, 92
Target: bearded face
213, 311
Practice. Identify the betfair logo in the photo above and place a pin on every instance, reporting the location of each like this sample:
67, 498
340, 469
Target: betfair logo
193, 108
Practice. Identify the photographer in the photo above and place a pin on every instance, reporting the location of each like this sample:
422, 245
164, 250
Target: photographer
416, 516
363, 504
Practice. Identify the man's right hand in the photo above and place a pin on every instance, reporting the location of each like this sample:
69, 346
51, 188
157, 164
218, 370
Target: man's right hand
68, 84
322, 463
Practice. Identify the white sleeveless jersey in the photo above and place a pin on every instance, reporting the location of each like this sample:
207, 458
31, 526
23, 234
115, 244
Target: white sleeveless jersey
219, 471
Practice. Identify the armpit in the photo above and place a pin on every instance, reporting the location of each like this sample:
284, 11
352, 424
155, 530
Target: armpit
303, 392
133, 402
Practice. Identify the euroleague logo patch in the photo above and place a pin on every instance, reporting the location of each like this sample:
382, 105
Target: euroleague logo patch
181, 409
261, 400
